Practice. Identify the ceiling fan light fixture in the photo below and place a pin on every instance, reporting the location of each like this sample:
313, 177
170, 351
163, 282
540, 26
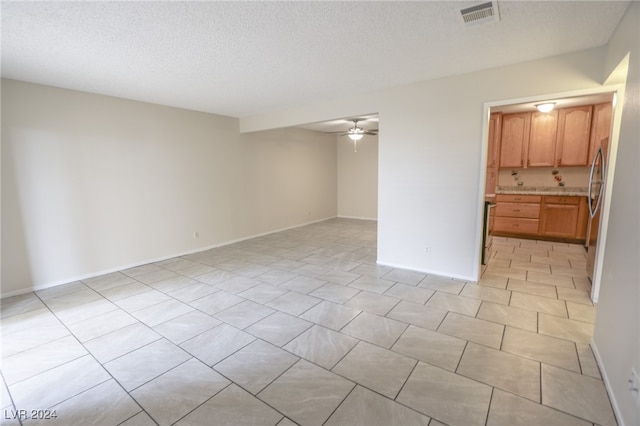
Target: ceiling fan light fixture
546, 107
355, 136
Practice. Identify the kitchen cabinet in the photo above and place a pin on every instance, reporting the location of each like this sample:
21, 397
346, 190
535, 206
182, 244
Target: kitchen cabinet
583, 219
493, 153
528, 139
600, 127
491, 181
574, 127
547, 217
559, 217
541, 149
563, 217
517, 215
495, 131
562, 137
514, 139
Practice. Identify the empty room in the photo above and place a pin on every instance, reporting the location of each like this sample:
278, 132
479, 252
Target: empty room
320, 213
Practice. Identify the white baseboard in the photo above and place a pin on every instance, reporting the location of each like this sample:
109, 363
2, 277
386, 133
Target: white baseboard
426, 271
375, 219
607, 383
145, 262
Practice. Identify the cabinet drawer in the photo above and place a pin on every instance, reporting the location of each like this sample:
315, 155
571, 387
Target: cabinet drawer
531, 211
512, 198
516, 225
557, 199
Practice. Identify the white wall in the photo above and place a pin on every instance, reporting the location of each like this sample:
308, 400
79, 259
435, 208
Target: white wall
93, 183
617, 331
358, 178
431, 154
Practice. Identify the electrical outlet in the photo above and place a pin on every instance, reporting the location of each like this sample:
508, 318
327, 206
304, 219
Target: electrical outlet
196, 235
634, 386
427, 249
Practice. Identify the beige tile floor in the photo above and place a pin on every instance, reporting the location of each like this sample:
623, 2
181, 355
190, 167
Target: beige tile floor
302, 327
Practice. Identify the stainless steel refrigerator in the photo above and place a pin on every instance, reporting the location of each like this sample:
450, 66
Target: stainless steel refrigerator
596, 199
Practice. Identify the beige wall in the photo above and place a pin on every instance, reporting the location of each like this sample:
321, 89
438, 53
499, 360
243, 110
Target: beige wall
617, 332
358, 178
94, 183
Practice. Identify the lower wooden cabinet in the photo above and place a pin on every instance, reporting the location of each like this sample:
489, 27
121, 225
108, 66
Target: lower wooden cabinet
517, 214
561, 218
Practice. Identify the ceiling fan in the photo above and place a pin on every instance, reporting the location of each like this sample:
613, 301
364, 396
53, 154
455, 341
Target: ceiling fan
356, 132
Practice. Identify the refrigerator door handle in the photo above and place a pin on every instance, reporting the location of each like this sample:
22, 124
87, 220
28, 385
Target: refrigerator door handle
593, 209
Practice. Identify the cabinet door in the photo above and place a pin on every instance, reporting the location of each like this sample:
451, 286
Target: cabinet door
573, 136
542, 141
493, 151
559, 220
583, 219
491, 181
600, 128
515, 137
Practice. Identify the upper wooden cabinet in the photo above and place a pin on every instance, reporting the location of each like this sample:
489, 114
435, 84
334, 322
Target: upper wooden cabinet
574, 126
515, 139
542, 139
600, 128
495, 130
563, 137
493, 153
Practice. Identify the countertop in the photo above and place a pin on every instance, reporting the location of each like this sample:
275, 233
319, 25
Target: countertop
543, 190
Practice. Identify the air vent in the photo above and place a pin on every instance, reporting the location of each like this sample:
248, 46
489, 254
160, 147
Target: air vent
480, 14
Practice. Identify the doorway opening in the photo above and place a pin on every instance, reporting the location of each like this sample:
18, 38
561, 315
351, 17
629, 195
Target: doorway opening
357, 164
538, 176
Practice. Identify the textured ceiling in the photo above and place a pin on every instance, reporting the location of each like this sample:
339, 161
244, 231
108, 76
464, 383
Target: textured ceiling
245, 58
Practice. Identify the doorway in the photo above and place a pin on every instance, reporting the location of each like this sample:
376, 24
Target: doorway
538, 167
357, 164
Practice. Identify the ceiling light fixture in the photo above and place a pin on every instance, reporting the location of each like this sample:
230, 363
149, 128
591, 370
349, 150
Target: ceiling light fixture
546, 107
355, 134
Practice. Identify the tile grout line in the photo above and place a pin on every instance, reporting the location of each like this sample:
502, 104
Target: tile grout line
341, 402
13, 404
89, 353
343, 304
486, 420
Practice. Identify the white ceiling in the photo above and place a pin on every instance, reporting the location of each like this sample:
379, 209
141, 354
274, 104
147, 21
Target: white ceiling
244, 58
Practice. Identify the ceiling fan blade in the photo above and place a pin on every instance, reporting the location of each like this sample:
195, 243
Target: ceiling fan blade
371, 132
